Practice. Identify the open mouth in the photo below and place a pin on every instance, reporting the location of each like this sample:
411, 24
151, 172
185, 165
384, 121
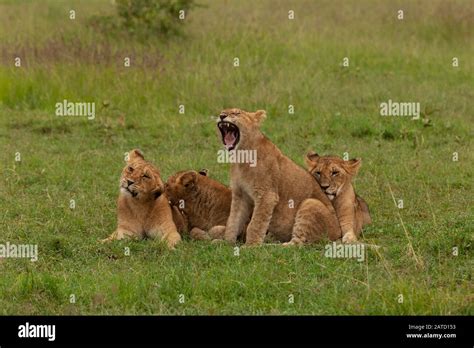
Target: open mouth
134, 194
230, 134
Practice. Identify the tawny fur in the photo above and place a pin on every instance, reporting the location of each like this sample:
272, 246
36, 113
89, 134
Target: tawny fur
142, 208
280, 196
179, 219
334, 175
203, 201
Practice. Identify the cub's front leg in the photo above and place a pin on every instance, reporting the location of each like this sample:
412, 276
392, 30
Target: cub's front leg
262, 215
239, 215
346, 216
122, 233
167, 232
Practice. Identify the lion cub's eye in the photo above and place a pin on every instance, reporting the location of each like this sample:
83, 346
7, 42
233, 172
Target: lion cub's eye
318, 173
130, 169
146, 176
334, 173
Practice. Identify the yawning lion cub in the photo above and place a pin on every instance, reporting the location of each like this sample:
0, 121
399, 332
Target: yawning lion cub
282, 198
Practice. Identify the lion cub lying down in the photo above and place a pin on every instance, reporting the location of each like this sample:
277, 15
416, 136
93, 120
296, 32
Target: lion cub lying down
334, 175
143, 211
204, 202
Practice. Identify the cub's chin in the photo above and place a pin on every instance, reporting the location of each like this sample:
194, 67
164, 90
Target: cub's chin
126, 191
331, 196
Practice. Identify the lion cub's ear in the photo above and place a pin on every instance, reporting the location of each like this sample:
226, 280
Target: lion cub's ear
352, 166
134, 155
311, 158
188, 179
259, 116
204, 172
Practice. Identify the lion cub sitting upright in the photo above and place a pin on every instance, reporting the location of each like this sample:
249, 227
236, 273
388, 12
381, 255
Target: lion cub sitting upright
143, 210
280, 198
334, 175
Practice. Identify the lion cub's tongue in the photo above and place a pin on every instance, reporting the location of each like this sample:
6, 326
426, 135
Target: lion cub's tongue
229, 139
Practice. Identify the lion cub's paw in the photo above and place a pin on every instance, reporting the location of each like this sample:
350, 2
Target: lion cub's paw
349, 238
172, 240
293, 242
198, 234
217, 232
110, 238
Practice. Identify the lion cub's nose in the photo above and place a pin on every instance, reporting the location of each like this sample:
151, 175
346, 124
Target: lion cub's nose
324, 186
222, 116
129, 182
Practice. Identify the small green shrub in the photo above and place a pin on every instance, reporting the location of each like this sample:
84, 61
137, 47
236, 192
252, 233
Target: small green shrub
152, 17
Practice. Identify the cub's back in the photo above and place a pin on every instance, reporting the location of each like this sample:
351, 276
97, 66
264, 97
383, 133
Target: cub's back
297, 184
214, 201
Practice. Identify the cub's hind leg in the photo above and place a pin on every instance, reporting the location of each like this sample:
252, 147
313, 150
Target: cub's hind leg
313, 222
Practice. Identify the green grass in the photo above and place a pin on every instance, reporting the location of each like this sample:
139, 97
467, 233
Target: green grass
282, 62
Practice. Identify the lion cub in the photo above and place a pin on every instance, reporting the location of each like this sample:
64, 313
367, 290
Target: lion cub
334, 175
143, 210
204, 202
278, 197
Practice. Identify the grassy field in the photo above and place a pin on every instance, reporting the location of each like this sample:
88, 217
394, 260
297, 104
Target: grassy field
282, 62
